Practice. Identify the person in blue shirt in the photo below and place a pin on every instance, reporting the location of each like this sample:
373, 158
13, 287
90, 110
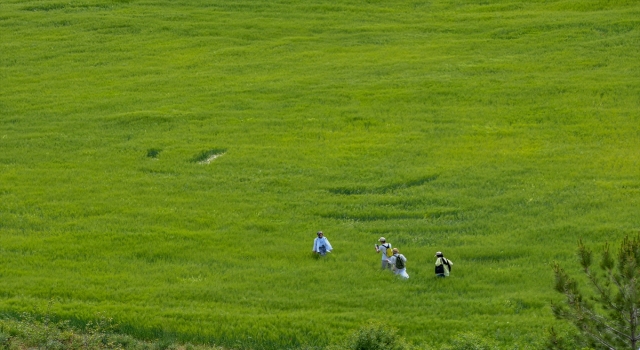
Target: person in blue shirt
321, 244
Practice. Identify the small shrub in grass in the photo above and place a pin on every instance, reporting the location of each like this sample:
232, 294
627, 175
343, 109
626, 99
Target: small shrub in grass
470, 341
165, 344
373, 336
153, 152
4, 339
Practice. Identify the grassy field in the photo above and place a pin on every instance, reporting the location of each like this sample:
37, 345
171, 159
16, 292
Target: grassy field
496, 131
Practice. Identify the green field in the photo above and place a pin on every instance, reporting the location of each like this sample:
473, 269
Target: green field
496, 131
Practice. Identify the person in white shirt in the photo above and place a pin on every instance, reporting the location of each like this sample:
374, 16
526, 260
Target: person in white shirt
443, 265
383, 248
399, 263
321, 244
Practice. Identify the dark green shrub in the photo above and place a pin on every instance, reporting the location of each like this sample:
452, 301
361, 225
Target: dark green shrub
153, 152
470, 341
4, 339
373, 336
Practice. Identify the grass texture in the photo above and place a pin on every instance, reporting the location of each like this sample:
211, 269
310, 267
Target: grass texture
30, 332
496, 131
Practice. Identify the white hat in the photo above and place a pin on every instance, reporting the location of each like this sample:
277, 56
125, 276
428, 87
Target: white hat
439, 254
382, 239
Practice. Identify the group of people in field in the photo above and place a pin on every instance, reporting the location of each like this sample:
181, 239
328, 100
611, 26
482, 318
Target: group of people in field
391, 257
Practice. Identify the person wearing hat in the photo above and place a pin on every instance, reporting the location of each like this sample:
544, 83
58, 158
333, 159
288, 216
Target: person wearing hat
399, 263
443, 265
321, 244
384, 248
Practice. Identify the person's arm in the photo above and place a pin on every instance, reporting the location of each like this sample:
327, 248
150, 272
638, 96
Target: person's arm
315, 246
329, 247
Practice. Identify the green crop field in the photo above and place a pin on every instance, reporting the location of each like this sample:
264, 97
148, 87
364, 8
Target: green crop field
497, 131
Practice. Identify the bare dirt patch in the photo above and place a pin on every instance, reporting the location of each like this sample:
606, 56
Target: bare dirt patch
211, 158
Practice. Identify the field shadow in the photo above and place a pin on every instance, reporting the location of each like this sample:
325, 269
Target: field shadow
382, 189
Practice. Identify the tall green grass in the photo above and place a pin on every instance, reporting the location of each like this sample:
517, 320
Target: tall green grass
498, 132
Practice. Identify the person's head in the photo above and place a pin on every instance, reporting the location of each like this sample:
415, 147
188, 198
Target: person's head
396, 251
320, 234
382, 240
439, 255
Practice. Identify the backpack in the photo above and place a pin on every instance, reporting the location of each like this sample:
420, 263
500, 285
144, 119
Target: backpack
446, 262
388, 250
440, 268
399, 262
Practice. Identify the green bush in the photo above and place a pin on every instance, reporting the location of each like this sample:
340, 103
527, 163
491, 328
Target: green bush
30, 331
470, 341
373, 336
4, 338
